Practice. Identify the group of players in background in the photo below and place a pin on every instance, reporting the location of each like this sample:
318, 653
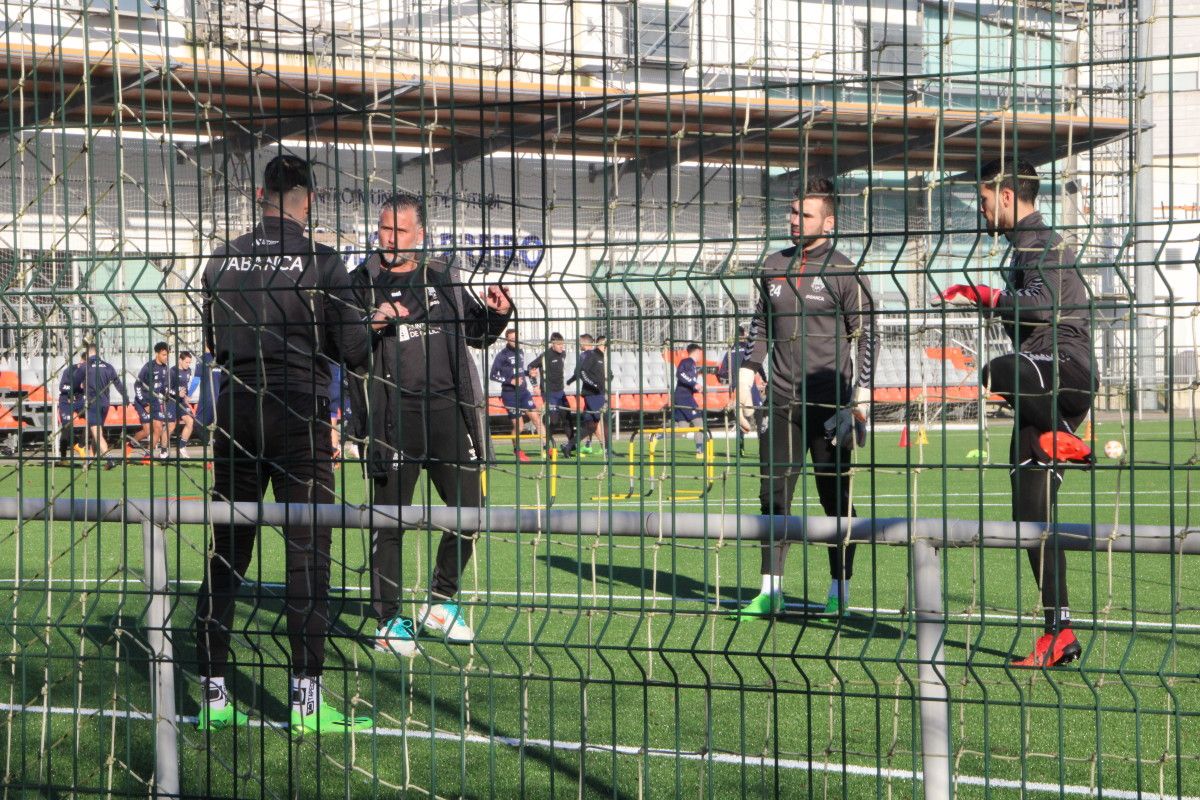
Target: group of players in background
161, 397
400, 326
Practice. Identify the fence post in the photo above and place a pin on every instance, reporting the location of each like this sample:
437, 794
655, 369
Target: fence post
935, 705
162, 663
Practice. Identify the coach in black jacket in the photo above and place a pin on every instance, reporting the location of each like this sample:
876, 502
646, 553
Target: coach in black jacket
278, 310
424, 409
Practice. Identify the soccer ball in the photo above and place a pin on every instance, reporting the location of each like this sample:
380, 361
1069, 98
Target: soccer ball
1114, 449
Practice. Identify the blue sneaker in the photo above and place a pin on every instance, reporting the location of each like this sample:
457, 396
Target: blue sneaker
397, 636
446, 618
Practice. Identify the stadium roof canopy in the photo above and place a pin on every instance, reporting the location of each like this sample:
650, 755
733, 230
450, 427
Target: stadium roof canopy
234, 106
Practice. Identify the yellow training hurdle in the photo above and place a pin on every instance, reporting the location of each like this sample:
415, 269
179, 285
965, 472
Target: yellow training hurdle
551, 456
655, 436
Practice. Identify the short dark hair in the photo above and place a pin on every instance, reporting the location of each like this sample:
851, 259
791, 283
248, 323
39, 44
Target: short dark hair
513, 331
585, 337
556, 337
693, 347
403, 200
601, 339
284, 173
820, 186
184, 354
1020, 176
161, 347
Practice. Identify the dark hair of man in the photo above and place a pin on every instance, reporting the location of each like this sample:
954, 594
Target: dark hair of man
161, 347
586, 337
285, 173
693, 347
601, 339
403, 200
556, 337
185, 354
1021, 177
820, 186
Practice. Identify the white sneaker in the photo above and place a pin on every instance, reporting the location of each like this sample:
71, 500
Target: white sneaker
161, 453
445, 618
397, 636
183, 453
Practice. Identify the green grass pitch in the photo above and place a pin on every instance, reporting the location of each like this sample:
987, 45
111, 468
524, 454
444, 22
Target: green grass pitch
605, 666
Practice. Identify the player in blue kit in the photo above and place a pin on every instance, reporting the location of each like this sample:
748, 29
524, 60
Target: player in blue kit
152, 400
509, 370
687, 383
94, 379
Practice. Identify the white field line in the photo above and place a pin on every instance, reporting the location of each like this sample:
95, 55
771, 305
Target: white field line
855, 770
661, 600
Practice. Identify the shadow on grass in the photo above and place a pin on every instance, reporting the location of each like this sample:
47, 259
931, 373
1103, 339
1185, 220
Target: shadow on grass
250, 694
641, 578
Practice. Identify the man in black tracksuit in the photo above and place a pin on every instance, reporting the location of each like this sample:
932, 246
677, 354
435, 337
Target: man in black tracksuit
550, 369
814, 322
590, 375
70, 404
278, 310
1049, 381
424, 410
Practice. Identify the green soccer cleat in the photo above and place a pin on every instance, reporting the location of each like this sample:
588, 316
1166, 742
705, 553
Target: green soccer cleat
218, 719
327, 720
833, 607
761, 607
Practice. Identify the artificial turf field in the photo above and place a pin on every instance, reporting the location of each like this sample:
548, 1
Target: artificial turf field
605, 667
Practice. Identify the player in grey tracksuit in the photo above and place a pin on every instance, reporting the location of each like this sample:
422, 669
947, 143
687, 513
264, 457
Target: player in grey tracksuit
1050, 380
813, 325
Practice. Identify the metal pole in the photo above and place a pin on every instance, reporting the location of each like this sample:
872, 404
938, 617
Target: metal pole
935, 698
901, 531
1143, 216
162, 664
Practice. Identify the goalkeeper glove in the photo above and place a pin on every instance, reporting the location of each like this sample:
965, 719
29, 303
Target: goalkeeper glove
745, 399
963, 295
848, 426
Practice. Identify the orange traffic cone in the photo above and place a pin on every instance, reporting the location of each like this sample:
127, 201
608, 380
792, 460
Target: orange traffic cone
904, 436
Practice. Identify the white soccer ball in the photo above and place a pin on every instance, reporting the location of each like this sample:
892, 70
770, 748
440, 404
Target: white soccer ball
1114, 449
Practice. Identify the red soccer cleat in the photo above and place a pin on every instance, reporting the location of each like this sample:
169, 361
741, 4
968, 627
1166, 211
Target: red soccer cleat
522, 457
1065, 448
1052, 650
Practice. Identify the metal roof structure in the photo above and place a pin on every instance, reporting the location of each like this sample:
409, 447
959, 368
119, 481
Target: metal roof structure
231, 106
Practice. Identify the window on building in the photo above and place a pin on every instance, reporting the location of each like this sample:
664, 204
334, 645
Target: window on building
892, 50
659, 34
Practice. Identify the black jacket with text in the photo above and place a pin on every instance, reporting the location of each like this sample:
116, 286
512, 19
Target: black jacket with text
279, 310
813, 325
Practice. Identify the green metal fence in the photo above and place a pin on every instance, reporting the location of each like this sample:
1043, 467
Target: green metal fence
624, 169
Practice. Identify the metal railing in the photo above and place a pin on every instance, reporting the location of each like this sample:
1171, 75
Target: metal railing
924, 537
